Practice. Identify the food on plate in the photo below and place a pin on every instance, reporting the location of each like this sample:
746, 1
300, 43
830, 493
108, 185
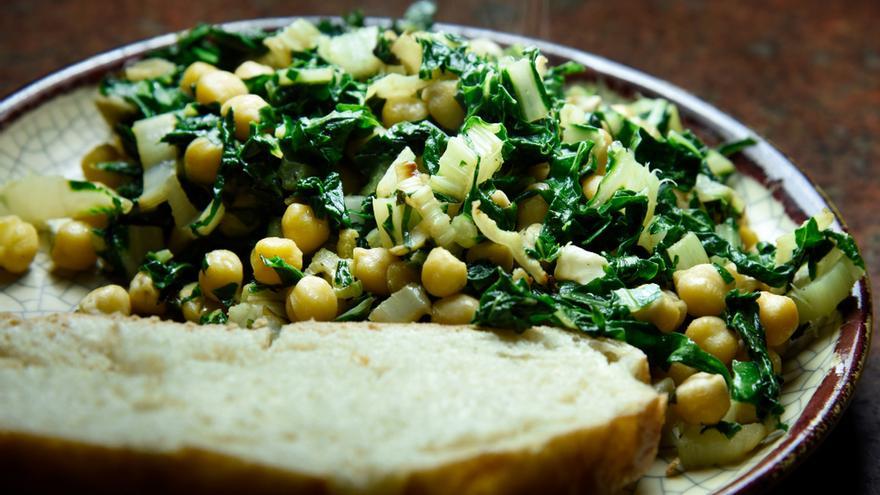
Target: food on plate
394, 174
405, 408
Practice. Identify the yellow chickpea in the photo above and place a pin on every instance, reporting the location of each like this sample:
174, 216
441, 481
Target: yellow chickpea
713, 336
409, 109
346, 243
401, 273
702, 289
144, 296
201, 160
442, 105
100, 154
748, 236
779, 317
679, 372
539, 171
667, 312
269, 248
776, 359
218, 86
106, 300
245, 109
497, 254
149, 68
220, 270
191, 306
250, 69
443, 274
533, 209
307, 230
742, 282
454, 310
18, 244
702, 398
590, 185
311, 299
73, 248
192, 74
371, 268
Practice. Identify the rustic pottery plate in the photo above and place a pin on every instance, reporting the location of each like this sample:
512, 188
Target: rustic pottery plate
46, 127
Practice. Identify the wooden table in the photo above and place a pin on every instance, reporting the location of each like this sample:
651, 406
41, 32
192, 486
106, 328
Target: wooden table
804, 74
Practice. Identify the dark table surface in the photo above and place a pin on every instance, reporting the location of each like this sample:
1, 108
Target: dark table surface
803, 73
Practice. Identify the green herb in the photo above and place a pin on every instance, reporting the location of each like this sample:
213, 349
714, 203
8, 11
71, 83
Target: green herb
288, 273
168, 276
217, 317
325, 197
727, 429
359, 311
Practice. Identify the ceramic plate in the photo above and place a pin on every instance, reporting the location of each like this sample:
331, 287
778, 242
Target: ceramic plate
48, 126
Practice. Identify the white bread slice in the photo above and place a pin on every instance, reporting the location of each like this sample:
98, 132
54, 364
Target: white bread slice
128, 404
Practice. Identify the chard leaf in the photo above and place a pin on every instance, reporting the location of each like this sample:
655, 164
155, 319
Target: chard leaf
168, 276
325, 197
288, 273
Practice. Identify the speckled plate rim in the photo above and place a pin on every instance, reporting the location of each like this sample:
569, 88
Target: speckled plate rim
790, 185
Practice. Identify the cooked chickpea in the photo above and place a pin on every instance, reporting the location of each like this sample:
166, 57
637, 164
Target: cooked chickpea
679, 372
533, 209
442, 105
245, 109
218, 86
221, 268
742, 282
149, 68
779, 317
346, 243
497, 254
201, 160
18, 244
702, 398
748, 236
106, 300
667, 312
271, 247
250, 69
454, 310
443, 274
401, 273
192, 307
144, 296
192, 74
73, 248
408, 109
311, 299
590, 185
101, 154
307, 230
702, 289
232, 225
539, 171
371, 268
713, 336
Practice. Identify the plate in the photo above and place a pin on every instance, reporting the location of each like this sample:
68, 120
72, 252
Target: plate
46, 127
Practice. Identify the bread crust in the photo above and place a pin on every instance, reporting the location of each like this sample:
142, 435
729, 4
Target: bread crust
601, 459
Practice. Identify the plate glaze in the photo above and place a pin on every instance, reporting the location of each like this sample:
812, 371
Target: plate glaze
46, 127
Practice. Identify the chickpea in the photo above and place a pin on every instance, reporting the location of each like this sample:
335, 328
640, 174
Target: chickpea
250, 69
201, 160
192, 74
401, 273
311, 299
713, 336
679, 372
73, 248
100, 154
776, 360
442, 105
218, 86
268, 248
221, 268
443, 274
454, 310
307, 230
149, 68
192, 307
539, 171
231, 225
702, 289
245, 109
408, 109
497, 254
667, 312
533, 209
371, 268
742, 282
346, 243
779, 317
18, 244
590, 185
748, 236
702, 398
106, 300
144, 296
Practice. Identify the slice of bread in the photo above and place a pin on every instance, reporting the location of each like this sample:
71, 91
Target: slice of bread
127, 404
